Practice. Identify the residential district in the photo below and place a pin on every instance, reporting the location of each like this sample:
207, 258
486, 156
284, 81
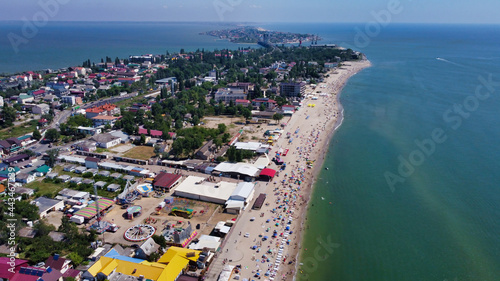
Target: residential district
140, 168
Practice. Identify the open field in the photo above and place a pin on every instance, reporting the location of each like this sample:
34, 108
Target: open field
140, 152
17, 131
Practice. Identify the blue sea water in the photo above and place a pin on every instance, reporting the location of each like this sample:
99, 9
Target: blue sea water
63, 44
415, 116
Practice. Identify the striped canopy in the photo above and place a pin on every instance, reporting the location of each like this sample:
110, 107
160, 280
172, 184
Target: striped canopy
90, 211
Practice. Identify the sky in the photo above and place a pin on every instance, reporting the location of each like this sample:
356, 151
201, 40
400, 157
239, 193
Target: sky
394, 11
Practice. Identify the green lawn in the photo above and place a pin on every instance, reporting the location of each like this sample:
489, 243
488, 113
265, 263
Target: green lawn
18, 131
48, 189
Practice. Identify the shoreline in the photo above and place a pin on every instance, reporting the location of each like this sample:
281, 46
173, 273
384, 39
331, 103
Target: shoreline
317, 169
267, 243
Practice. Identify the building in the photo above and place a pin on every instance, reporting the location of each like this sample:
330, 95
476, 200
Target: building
244, 103
292, 89
268, 103
237, 170
166, 181
104, 120
198, 188
206, 151
91, 162
230, 94
106, 140
170, 266
107, 110
89, 130
25, 178
40, 109
46, 205
71, 100
24, 99
72, 195
240, 198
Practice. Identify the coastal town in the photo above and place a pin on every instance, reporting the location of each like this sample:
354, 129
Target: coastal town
186, 166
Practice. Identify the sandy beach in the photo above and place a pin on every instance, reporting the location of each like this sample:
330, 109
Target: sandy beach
266, 242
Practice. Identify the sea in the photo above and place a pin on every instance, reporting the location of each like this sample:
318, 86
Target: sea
410, 187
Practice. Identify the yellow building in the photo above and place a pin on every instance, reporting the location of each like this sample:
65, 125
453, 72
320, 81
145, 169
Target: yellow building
168, 268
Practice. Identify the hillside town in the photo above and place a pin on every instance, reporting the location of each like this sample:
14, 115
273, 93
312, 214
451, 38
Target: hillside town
144, 167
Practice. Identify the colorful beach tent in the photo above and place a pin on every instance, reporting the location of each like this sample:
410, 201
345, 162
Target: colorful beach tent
268, 173
90, 211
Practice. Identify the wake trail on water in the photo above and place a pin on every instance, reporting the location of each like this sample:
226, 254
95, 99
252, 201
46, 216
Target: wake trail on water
450, 62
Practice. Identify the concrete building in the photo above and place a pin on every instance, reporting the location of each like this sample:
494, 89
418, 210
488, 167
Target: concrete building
106, 140
40, 109
292, 89
198, 188
46, 205
230, 94
106, 110
71, 100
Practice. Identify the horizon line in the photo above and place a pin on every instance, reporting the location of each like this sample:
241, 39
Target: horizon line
256, 22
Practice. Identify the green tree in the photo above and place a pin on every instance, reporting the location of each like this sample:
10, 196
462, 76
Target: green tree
52, 135
75, 258
277, 117
143, 139
247, 113
222, 128
9, 115
53, 154
36, 135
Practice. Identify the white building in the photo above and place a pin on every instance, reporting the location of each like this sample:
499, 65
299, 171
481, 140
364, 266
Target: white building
198, 188
46, 205
40, 109
71, 100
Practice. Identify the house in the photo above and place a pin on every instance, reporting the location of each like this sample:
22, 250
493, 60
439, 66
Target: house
40, 109
205, 152
56, 262
268, 103
88, 146
69, 194
80, 170
104, 173
24, 99
106, 140
292, 89
165, 181
152, 133
104, 120
92, 162
113, 187
64, 178
89, 130
25, 178
100, 184
49, 98
46, 205
116, 175
93, 171
43, 170
88, 181
244, 103
76, 180
24, 190
104, 110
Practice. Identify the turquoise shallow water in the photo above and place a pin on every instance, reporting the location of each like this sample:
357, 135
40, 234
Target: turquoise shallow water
439, 222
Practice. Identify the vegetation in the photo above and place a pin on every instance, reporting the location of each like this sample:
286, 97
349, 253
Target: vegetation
140, 152
20, 130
